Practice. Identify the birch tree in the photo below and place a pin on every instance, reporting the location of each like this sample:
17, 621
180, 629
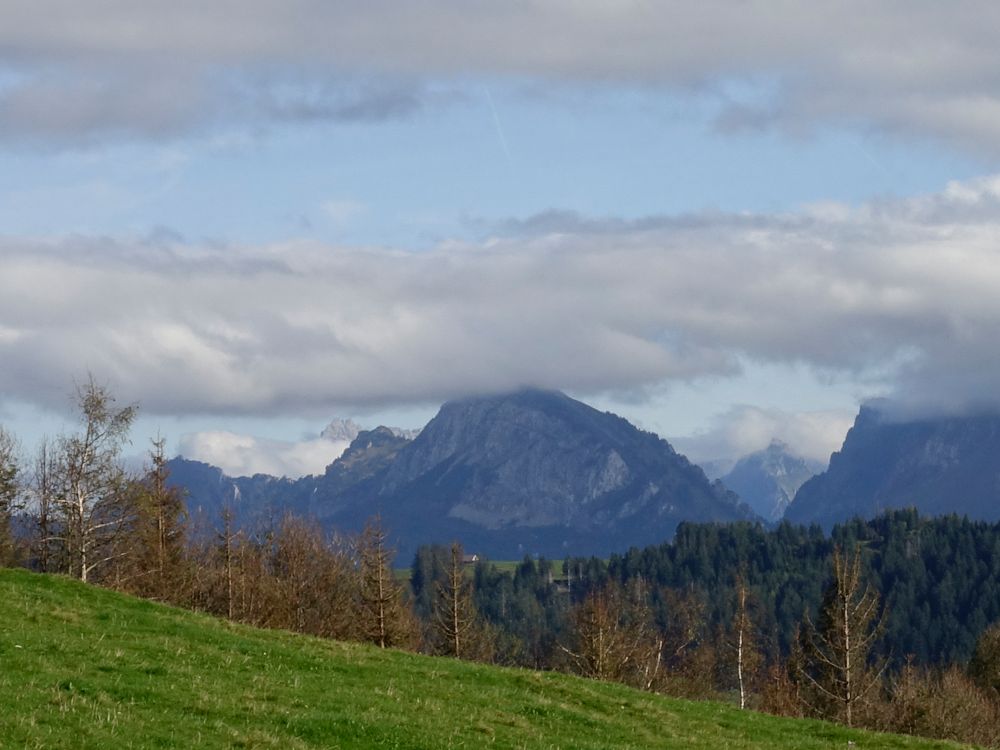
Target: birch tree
90, 501
742, 642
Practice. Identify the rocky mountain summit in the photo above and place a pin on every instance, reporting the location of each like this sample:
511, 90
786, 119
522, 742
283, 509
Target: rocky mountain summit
937, 465
341, 430
768, 479
526, 472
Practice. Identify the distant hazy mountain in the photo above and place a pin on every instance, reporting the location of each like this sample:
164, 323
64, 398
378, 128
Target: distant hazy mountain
527, 472
347, 430
938, 466
341, 430
768, 479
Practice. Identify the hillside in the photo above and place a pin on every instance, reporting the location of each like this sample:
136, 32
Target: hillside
937, 465
82, 667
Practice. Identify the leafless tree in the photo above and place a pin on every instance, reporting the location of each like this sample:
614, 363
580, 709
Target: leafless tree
615, 638
156, 565
10, 494
455, 620
89, 499
742, 642
44, 483
385, 619
836, 670
317, 581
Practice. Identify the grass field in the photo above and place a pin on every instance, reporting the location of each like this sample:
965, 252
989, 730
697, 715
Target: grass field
81, 667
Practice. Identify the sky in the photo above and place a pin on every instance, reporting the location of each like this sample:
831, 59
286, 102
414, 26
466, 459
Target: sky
727, 221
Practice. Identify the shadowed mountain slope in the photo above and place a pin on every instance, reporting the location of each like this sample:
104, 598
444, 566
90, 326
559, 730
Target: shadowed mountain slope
530, 472
938, 466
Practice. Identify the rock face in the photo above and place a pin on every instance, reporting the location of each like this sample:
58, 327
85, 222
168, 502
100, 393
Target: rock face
526, 472
938, 466
257, 499
768, 480
534, 472
341, 430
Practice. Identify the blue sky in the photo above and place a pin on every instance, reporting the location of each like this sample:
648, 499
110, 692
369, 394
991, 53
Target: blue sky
727, 223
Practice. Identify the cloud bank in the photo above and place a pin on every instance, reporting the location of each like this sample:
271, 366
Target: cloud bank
747, 429
244, 455
113, 67
903, 293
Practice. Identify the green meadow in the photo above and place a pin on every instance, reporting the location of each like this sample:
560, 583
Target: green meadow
83, 667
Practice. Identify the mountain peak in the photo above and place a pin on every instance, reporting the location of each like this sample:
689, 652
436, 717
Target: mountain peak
341, 430
768, 479
938, 465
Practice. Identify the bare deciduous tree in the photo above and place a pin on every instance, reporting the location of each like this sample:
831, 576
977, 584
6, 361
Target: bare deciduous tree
836, 668
615, 638
384, 618
157, 534
10, 495
742, 642
454, 612
89, 500
44, 483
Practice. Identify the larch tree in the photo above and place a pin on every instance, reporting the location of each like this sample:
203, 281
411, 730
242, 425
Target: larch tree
615, 638
455, 618
158, 532
317, 581
90, 501
385, 619
837, 670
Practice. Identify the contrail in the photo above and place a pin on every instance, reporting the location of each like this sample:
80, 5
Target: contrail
496, 121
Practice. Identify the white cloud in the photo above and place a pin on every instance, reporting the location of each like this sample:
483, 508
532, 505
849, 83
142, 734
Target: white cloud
245, 455
901, 292
154, 69
744, 429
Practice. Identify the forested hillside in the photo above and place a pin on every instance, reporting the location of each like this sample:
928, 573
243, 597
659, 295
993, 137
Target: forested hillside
939, 579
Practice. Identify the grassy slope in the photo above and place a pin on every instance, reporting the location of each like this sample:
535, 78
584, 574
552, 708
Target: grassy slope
85, 667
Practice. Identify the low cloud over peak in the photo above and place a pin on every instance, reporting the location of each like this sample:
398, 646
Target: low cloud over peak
901, 292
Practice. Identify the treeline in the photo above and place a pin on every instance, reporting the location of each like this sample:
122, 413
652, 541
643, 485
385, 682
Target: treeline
884, 624
939, 577
620, 620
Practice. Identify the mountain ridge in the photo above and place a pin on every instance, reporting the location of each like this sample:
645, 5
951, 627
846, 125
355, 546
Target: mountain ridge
938, 465
529, 471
